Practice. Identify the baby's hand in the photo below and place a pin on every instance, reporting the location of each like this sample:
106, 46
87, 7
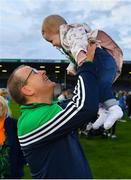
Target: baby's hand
71, 69
71, 73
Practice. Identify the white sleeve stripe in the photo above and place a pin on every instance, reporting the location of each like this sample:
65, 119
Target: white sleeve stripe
44, 126
78, 99
53, 124
74, 97
50, 132
59, 120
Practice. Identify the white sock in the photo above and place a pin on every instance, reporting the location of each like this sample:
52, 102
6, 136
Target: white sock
114, 113
101, 119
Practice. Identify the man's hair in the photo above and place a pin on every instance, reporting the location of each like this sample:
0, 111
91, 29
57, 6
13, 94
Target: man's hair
52, 23
14, 86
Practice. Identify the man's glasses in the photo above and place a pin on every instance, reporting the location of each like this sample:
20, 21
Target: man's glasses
33, 70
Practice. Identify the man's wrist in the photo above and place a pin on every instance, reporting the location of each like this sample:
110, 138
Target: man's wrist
87, 60
84, 60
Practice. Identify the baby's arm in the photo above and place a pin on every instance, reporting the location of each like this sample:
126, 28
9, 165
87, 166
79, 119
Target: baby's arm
71, 69
77, 41
89, 55
81, 57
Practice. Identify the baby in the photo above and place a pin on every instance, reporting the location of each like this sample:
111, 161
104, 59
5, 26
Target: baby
73, 39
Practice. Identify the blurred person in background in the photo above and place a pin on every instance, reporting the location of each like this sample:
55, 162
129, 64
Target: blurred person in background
63, 95
4, 149
122, 100
11, 156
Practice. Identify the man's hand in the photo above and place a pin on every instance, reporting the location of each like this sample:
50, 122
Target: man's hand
91, 51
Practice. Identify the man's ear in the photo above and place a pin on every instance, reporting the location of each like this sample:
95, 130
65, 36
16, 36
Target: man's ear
26, 90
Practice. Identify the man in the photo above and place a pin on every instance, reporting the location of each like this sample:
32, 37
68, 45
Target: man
47, 133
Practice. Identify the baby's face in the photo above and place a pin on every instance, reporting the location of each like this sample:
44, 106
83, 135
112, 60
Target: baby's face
54, 39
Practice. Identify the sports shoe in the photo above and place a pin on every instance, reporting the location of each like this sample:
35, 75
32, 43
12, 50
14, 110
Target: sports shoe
114, 114
101, 119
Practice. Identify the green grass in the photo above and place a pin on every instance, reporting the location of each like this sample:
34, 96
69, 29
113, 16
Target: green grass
108, 158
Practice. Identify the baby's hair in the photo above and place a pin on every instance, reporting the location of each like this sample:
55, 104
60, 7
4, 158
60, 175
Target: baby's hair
52, 23
3, 106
